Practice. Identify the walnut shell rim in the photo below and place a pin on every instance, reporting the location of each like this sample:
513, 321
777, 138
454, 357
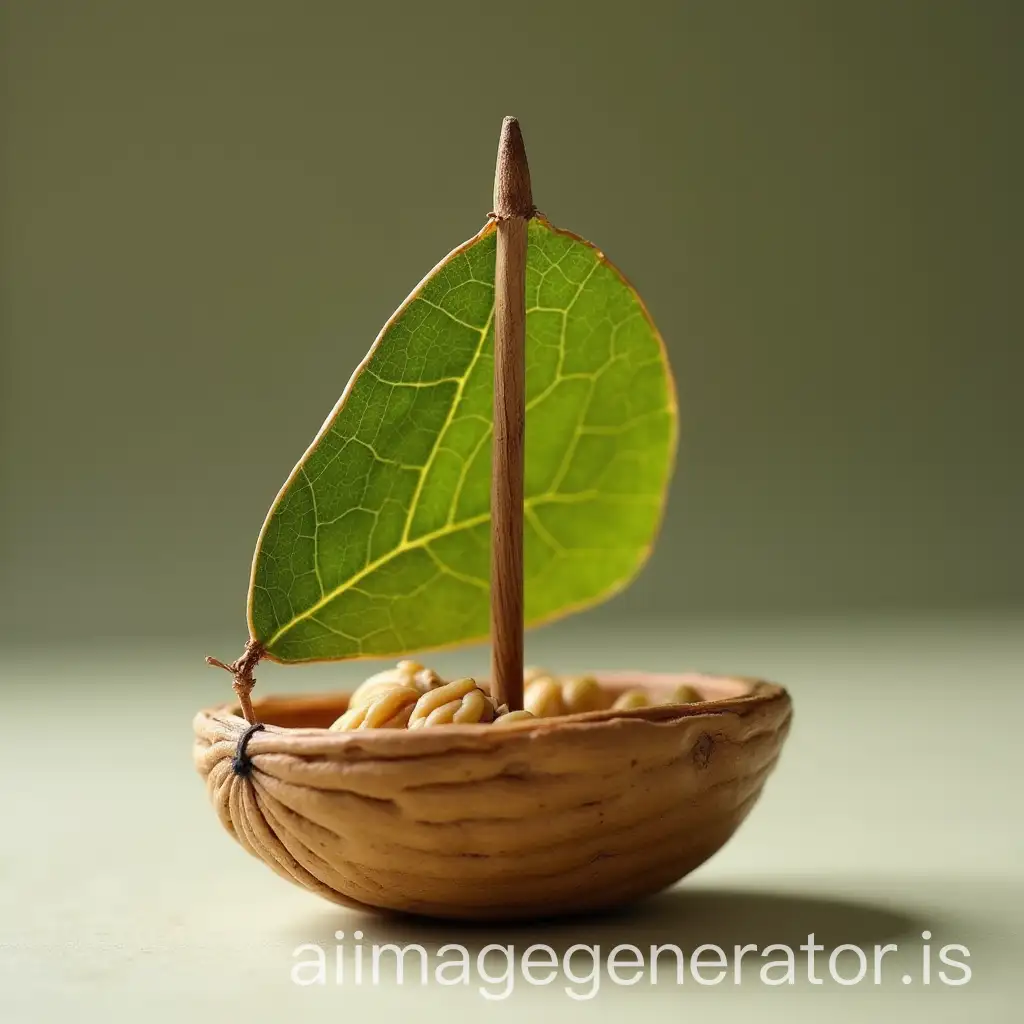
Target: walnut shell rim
536, 819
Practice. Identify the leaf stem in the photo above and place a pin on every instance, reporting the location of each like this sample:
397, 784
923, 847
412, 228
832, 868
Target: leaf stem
244, 680
513, 207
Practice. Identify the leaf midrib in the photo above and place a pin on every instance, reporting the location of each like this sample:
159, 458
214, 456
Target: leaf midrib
449, 419
404, 544
423, 541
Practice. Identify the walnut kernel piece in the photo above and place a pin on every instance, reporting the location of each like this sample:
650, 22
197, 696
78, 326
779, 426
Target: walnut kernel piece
389, 709
632, 699
514, 716
685, 694
461, 702
583, 693
543, 698
406, 673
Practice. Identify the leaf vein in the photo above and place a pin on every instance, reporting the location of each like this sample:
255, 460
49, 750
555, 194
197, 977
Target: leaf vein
316, 531
449, 419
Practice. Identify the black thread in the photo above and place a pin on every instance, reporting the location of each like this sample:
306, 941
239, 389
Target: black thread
242, 764
534, 212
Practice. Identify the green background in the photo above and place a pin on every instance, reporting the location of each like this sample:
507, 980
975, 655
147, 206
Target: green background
207, 211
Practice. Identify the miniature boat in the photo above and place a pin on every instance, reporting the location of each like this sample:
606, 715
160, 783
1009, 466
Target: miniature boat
516, 797
537, 819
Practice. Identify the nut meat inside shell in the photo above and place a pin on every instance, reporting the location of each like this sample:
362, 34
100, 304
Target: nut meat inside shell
387, 707
410, 674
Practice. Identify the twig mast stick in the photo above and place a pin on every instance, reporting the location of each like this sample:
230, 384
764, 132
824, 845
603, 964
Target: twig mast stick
513, 207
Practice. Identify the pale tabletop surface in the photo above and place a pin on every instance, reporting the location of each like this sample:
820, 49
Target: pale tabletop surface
896, 809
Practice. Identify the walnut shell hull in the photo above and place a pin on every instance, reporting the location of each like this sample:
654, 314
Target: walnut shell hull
537, 819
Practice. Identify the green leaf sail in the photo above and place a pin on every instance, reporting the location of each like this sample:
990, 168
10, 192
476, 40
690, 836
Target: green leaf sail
378, 544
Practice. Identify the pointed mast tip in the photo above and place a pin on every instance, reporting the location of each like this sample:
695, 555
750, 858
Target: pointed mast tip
513, 196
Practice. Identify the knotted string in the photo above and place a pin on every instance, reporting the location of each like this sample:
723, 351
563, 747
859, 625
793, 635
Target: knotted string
241, 764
